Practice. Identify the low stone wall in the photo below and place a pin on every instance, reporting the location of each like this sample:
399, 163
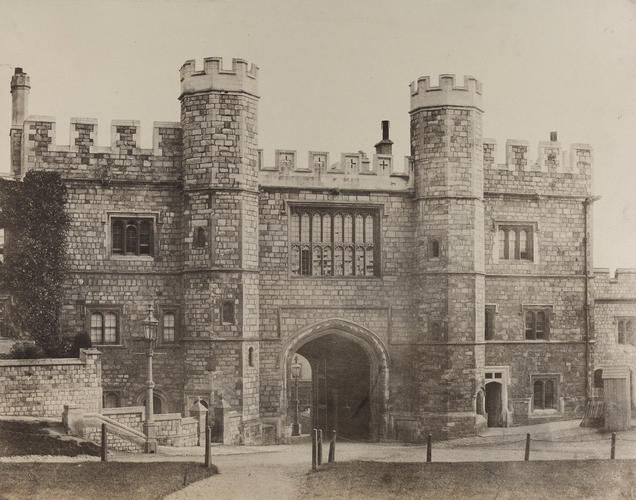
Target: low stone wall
173, 430
41, 387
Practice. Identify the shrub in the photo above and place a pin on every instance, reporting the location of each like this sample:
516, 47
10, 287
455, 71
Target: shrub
81, 341
26, 350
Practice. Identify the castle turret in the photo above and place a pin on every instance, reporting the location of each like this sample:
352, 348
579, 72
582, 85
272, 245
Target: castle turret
20, 88
447, 154
218, 117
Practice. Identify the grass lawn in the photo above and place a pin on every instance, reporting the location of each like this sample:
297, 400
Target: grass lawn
30, 438
97, 480
515, 480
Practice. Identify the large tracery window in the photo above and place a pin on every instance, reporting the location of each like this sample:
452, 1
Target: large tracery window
338, 241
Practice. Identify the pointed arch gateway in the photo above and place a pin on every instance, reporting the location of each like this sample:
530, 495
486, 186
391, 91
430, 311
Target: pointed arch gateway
350, 378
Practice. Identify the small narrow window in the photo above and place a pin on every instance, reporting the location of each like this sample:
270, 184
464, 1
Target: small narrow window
200, 237
145, 237
118, 237
434, 249
489, 323
131, 239
97, 324
227, 312
530, 325
538, 395
250, 356
598, 379
169, 325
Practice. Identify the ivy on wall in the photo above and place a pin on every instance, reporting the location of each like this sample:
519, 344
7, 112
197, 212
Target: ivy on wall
33, 214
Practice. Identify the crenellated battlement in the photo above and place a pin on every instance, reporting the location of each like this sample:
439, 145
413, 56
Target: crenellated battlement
352, 170
241, 78
550, 156
553, 169
620, 286
40, 148
447, 93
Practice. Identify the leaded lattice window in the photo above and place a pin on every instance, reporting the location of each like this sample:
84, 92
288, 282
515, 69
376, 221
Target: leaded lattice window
334, 241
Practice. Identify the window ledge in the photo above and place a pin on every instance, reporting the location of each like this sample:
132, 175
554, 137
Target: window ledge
548, 412
148, 258
108, 345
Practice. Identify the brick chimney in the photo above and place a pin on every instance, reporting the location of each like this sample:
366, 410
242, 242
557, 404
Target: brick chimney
385, 146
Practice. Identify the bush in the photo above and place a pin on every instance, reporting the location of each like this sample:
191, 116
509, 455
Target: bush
26, 350
81, 341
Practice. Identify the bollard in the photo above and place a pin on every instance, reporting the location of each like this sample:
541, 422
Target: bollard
314, 448
429, 448
527, 454
319, 444
332, 447
104, 444
208, 448
613, 450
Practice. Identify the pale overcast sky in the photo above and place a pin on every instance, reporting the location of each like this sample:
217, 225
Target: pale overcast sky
331, 70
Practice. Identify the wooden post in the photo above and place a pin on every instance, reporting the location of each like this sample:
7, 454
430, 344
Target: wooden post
314, 448
332, 447
208, 450
527, 454
613, 450
429, 448
104, 444
319, 446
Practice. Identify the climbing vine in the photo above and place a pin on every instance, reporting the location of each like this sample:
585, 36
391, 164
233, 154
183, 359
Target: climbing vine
33, 215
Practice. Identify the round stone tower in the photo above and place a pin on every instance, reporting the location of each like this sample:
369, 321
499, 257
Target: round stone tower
446, 147
220, 242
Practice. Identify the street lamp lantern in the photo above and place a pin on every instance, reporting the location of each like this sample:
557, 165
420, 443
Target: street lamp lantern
296, 368
150, 326
150, 335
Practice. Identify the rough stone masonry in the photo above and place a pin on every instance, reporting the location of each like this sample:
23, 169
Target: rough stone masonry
439, 293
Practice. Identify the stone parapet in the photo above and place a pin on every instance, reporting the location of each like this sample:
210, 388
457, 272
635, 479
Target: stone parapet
425, 95
240, 78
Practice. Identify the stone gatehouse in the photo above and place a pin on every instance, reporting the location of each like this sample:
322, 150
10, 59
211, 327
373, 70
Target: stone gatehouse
438, 293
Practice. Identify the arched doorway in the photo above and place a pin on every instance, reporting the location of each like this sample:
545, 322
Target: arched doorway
349, 368
494, 404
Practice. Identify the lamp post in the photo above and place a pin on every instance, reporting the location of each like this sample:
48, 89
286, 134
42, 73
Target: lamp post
295, 373
150, 336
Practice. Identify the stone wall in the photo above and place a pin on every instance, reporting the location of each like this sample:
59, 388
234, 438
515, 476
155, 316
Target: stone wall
41, 387
615, 299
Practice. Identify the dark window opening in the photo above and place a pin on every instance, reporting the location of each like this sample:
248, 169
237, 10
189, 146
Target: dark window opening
434, 248
132, 236
598, 379
250, 356
200, 238
516, 242
537, 324
103, 328
489, 322
168, 326
227, 312
544, 394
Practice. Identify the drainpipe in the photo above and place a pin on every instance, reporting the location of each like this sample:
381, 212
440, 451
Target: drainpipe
587, 203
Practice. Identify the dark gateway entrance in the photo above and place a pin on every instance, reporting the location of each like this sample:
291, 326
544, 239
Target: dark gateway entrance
341, 377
